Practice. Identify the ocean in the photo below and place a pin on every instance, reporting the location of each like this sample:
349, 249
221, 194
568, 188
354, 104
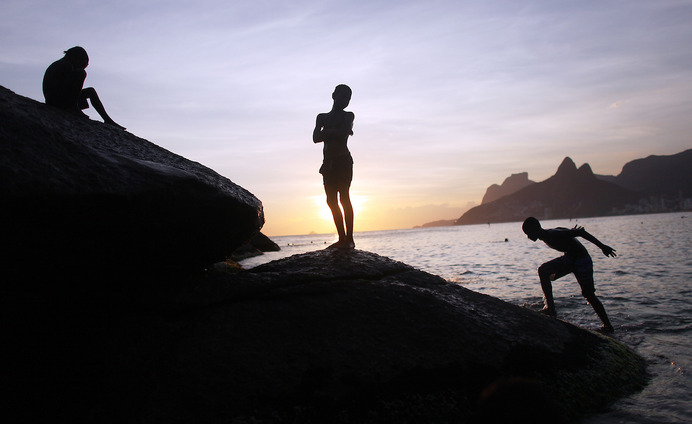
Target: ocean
646, 289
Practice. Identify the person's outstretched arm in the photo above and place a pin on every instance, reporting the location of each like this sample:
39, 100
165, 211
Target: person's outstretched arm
607, 250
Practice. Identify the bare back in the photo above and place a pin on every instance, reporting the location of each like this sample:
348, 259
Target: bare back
565, 241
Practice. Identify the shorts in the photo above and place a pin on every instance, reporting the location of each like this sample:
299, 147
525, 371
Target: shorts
337, 172
582, 268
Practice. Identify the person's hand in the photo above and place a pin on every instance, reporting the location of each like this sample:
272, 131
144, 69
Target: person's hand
608, 251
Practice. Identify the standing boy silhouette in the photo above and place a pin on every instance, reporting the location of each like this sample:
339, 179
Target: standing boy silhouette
575, 260
333, 129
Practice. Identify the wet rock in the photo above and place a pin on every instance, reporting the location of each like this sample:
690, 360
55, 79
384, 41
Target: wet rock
327, 336
256, 246
264, 243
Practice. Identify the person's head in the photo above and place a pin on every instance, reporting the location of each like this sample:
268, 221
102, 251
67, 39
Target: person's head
342, 96
531, 228
77, 56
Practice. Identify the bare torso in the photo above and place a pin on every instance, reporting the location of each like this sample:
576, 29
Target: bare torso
333, 128
564, 240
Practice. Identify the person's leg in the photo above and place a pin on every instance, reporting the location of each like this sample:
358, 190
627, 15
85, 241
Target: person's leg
340, 179
600, 311
345, 199
90, 93
584, 275
333, 203
544, 275
551, 271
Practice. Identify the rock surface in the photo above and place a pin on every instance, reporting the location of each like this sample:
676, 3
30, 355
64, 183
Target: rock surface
77, 193
256, 246
327, 336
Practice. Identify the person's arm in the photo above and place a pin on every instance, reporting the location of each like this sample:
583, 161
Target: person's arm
581, 232
318, 132
323, 133
349, 120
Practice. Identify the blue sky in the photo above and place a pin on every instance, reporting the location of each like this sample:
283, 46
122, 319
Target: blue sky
449, 96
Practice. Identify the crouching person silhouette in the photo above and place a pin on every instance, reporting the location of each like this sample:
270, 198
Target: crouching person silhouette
575, 260
63, 85
333, 129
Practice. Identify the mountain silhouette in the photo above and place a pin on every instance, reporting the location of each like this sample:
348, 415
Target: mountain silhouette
659, 175
571, 193
511, 184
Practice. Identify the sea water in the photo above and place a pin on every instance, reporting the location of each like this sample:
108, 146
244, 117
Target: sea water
646, 289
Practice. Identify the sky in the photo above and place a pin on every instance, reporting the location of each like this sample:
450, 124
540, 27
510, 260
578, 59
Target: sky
450, 96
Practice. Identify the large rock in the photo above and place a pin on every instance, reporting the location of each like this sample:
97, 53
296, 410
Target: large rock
80, 193
327, 336
254, 247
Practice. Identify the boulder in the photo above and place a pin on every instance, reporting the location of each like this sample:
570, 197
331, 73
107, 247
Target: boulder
264, 243
327, 336
79, 193
256, 246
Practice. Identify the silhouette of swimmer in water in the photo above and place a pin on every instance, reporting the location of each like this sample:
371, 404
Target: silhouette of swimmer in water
333, 129
576, 260
63, 82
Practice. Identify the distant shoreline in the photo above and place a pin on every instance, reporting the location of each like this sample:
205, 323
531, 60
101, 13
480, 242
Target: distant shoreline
425, 226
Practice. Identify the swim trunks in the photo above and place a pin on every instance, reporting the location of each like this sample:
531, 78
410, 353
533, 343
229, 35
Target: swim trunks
582, 268
337, 171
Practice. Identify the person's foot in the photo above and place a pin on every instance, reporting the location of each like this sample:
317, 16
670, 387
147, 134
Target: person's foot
336, 245
606, 329
111, 122
343, 244
348, 244
549, 312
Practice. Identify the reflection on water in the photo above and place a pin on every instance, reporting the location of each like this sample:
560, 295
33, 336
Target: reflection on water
646, 289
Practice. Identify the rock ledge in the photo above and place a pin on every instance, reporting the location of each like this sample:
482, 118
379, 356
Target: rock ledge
327, 336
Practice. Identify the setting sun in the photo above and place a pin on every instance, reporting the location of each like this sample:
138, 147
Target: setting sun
357, 200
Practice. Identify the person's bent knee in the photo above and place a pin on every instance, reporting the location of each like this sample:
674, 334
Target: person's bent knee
88, 92
544, 271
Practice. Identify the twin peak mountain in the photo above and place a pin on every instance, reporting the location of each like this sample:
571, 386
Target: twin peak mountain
653, 184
